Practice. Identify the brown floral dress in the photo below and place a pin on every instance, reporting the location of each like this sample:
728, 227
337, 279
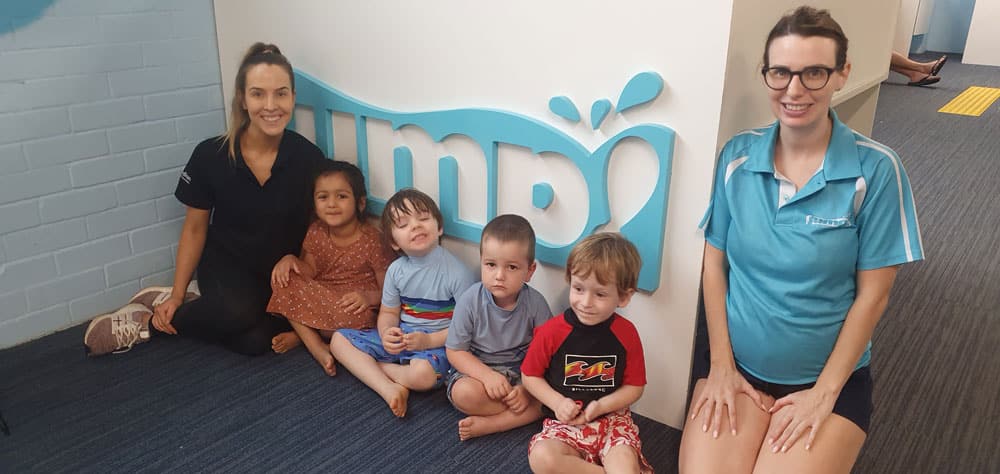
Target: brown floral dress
339, 270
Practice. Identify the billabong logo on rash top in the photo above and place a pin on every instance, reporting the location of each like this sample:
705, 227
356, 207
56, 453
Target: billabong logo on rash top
590, 371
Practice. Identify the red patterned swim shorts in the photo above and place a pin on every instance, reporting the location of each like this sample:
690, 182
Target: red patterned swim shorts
593, 440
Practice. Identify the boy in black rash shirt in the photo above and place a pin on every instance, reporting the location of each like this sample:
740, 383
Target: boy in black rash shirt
586, 366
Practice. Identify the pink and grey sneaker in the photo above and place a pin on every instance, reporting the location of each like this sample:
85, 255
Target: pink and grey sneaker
117, 332
152, 297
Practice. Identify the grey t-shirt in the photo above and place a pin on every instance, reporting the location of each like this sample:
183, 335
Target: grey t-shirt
495, 335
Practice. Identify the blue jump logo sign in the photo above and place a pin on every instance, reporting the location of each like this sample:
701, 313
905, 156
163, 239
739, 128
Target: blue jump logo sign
489, 128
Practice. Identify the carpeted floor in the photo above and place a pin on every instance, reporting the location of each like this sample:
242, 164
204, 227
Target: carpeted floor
177, 405
935, 353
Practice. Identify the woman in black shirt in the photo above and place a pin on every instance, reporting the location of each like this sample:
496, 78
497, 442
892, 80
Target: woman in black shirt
247, 206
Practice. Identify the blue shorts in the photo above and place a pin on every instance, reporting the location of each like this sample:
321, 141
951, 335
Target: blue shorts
512, 372
369, 342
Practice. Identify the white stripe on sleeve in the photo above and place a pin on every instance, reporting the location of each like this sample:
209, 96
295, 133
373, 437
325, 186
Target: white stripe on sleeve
733, 165
899, 188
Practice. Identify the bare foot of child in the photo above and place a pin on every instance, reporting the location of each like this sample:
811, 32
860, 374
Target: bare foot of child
473, 426
396, 397
285, 341
324, 358
328, 364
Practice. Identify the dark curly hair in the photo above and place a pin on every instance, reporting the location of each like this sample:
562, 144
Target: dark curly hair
354, 178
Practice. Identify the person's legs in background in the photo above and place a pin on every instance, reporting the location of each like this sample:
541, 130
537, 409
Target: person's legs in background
918, 73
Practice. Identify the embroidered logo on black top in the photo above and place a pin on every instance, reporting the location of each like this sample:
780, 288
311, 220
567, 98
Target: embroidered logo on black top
590, 371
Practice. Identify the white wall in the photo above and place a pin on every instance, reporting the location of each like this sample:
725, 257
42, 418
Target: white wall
905, 24
418, 56
983, 43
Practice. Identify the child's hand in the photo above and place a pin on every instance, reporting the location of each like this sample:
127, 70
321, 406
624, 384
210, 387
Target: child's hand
567, 410
496, 385
353, 302
282, 270
593, 411
392, 340
517, 400
416, 341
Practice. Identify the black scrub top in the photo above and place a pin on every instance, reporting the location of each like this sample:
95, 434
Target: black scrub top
252, 225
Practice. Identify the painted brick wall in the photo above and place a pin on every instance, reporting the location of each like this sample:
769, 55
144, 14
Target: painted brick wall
101, 103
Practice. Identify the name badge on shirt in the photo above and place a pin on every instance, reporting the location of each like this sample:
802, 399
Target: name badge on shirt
828, 222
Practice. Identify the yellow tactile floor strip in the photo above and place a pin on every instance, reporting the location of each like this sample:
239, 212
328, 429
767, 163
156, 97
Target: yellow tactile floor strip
973, 101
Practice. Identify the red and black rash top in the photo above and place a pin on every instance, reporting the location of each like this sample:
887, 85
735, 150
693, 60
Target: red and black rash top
583, 362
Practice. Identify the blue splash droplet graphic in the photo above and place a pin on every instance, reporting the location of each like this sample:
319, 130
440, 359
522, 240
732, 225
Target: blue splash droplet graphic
598, 111
642, 88
564, 107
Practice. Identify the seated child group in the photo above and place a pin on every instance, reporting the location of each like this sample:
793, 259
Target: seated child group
422, 321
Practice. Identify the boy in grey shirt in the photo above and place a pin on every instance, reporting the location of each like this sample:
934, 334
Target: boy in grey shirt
490, 331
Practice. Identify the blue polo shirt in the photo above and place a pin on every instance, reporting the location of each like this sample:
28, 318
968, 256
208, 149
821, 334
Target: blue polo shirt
793, 255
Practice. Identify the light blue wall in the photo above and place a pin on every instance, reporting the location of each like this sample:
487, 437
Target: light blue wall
101, 103
949, 26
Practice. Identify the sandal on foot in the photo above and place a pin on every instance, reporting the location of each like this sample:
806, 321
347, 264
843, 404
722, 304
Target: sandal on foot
936, 68
926, 81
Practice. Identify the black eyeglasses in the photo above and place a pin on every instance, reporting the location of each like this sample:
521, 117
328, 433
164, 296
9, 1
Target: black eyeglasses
812, 78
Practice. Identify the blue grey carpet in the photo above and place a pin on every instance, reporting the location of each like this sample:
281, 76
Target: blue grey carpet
180, 405
935, 354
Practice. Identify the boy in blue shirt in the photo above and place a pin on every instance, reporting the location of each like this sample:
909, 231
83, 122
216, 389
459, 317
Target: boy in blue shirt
406, 351
490, 332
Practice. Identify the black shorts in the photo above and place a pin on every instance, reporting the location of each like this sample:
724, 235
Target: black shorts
854, 402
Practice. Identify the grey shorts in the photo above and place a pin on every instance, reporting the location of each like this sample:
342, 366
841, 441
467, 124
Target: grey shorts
512, 372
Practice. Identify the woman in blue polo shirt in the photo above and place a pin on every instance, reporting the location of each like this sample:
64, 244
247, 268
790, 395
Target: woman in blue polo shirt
247, 198
808, 223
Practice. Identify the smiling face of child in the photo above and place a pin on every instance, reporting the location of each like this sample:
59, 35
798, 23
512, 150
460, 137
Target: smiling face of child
594, 302
335, 203
415, 232
504, 268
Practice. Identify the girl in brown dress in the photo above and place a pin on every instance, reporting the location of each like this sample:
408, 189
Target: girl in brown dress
337, 281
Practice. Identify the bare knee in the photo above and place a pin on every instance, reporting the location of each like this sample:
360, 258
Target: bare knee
422, 375
337, 342
834, 450
467, 394
545, 457
621, 458
701, 451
